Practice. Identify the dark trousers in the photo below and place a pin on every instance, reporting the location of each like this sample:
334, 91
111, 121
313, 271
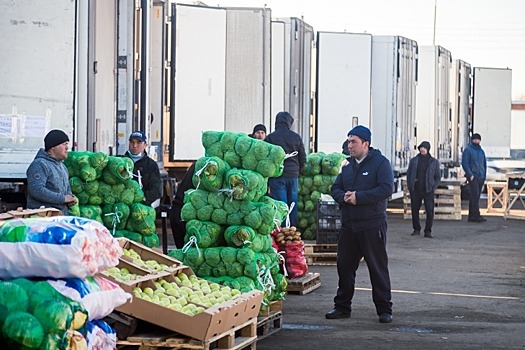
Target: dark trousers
416, 197
475, 187
286, 189
178, 227
351, 247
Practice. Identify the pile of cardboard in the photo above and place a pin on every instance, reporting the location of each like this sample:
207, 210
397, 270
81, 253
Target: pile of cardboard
21, 213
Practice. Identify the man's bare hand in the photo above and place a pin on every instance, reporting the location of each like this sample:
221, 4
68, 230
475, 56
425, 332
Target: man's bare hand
350, 197
71, 199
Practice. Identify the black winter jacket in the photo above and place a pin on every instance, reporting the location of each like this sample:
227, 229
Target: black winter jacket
150, 177
290, 141
373, 181
432, 177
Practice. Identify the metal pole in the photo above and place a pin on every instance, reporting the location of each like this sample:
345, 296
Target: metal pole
435, 17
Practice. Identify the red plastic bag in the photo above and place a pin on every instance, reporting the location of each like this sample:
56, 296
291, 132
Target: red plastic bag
294, 259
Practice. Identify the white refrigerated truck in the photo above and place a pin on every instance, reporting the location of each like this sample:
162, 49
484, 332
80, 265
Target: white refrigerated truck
491, 109
433, 107
292, 81
367, 80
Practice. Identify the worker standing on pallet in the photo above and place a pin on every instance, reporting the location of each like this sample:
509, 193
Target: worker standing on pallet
362, 189
423, 178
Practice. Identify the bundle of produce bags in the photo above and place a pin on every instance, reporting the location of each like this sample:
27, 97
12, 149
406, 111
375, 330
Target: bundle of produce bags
107, 193
33, 315
58, 247
229, 217
316, 178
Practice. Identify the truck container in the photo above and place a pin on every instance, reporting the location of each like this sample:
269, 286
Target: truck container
394, 79
433, 109
460, 100
292, 67
491, 109
344, 80
371, 81
41, 79
219, 76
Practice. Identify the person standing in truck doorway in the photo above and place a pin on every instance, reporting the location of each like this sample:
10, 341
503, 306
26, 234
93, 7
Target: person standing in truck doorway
474, 164
362, 189
47, 176
285, 188
145, 171
423, 178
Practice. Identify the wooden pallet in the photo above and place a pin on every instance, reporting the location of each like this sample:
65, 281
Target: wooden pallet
447, 202
305, 284
310, 248
240, 337
276, 305
269, 325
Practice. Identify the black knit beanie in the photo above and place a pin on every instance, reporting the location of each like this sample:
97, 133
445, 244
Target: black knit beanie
54, 138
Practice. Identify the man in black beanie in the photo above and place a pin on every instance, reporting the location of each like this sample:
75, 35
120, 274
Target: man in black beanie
474, 164
47, 176
423, 178
259, 132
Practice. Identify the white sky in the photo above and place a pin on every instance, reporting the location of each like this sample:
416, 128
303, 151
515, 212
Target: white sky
484, 33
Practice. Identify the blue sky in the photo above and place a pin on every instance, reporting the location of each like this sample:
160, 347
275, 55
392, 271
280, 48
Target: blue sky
484, 33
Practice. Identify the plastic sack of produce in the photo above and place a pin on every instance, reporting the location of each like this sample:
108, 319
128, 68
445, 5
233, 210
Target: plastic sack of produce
101, 336
205, 233
98, 295
209, 173
295, 262
241, 151
36, 316
246, 184
56, 247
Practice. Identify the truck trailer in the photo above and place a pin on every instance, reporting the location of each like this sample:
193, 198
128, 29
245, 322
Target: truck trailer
371, 81
491, 109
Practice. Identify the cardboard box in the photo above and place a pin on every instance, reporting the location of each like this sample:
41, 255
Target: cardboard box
148, 254
143, 274
214, 321
21, 213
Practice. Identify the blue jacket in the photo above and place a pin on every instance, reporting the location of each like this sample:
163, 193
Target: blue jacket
474, 162
47, 183
432, 177
373, 181
290, 141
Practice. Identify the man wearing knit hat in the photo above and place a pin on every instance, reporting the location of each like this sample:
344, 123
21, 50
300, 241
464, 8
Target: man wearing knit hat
423, 178
145, 170
47, 176
362, 189
259, 132
474, 164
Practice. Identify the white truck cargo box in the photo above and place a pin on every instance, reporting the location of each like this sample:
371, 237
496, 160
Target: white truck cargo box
343, 89
492, 104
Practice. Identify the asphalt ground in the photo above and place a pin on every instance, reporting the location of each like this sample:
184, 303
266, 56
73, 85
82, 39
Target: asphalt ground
463, 289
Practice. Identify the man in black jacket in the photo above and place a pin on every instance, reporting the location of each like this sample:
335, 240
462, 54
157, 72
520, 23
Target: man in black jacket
146, 171
423, 178
285, 188
362, 189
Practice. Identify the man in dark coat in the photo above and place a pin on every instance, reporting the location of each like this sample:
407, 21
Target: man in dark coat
285, 188
474, 164
145, 171
423, 178
362, 190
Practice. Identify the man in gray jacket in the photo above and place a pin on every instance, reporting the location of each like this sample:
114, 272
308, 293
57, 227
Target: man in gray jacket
47, 176
423, 178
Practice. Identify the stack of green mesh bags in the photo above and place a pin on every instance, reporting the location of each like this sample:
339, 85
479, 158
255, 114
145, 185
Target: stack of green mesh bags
229, 218
107, 193
316, 178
